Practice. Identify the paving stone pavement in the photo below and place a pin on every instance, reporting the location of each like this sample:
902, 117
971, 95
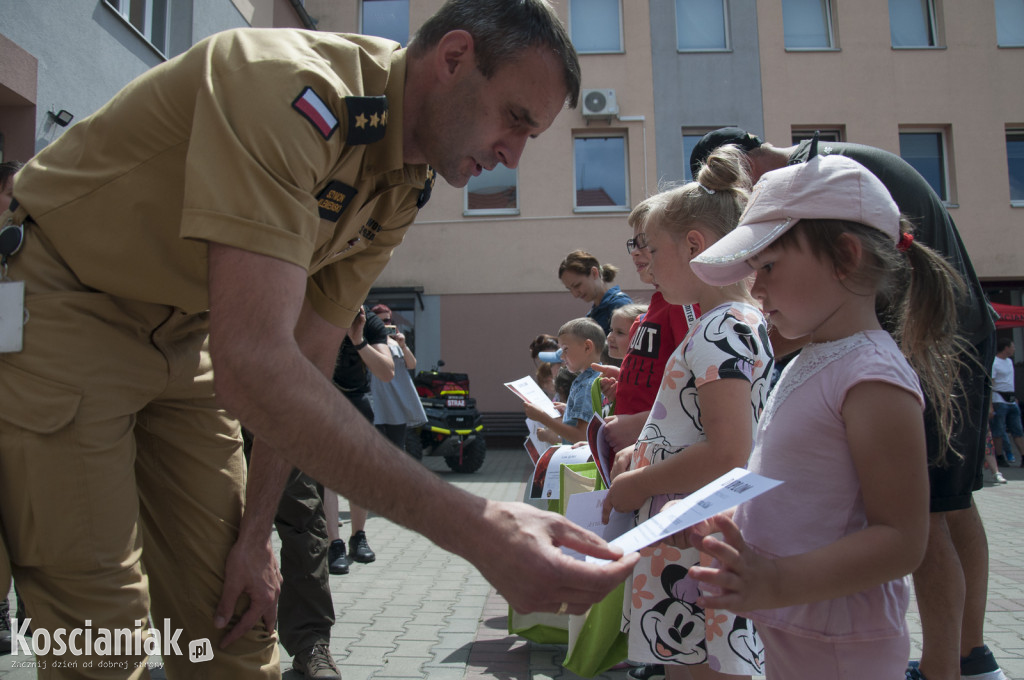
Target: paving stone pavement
419, 612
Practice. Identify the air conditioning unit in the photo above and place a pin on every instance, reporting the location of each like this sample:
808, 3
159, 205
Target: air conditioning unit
599, 104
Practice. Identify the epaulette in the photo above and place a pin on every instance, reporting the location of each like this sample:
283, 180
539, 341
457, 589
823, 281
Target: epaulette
428, 186
367, 119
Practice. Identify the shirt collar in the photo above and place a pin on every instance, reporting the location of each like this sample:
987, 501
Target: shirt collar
385, 156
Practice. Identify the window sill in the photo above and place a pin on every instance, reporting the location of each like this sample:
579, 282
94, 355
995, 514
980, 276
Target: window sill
490, 213
601, 209
705, 50
595, 52
904, 48
813, 49
1017, 204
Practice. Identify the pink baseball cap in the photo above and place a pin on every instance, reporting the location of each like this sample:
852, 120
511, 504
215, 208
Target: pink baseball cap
825, 187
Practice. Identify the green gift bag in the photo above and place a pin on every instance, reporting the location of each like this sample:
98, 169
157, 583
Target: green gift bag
596, 642
545, 627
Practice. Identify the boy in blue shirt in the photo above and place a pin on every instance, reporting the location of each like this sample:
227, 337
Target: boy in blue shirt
580, 344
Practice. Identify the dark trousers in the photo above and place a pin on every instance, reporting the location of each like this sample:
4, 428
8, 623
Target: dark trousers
394, 433
305, 610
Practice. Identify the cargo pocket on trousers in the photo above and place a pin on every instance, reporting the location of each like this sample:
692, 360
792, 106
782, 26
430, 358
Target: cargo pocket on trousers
33, 410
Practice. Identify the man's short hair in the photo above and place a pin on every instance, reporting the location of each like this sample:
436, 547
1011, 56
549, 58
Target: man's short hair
1002, 344
720, 137
501, 29
585, 328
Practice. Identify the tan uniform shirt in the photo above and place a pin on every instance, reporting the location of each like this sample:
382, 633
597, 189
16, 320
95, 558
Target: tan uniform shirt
276, 141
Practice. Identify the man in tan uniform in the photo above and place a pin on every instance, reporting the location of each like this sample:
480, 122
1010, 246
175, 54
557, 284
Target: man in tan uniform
193, 253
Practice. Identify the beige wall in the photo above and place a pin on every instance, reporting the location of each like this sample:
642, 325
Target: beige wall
501, 254
971, 88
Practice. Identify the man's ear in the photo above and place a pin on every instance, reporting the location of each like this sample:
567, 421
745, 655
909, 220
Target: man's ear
455, 52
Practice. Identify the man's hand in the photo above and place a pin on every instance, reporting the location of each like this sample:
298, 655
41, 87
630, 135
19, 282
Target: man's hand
521, 557
251, 570
744, 579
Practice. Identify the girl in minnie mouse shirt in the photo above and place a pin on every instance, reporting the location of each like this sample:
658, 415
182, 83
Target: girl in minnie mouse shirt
700, 427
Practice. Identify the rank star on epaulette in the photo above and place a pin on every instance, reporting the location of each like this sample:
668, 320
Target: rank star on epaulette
367, 119
428, 186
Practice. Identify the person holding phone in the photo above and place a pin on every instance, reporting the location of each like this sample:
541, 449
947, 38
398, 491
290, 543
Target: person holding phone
396, 405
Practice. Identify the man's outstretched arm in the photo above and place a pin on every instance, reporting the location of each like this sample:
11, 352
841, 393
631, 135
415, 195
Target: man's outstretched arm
264, 378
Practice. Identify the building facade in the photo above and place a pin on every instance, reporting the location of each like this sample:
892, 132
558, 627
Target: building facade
937, 81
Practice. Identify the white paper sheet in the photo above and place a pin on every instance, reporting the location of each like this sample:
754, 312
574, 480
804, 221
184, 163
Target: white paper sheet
529, 391
585, 510
726, 492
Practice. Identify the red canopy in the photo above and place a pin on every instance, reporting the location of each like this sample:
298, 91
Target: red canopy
1009, 315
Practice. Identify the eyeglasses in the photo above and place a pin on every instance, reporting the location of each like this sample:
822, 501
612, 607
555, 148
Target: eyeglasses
637, 242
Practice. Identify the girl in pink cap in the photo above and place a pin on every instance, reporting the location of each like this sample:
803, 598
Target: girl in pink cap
821, 563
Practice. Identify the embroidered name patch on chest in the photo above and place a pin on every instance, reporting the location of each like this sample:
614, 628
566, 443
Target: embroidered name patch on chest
309, 104
333, 200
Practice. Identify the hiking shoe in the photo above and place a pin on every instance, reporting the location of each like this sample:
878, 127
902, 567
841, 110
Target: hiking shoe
980, 665
647, 672
316, 662
360, 549
337, 561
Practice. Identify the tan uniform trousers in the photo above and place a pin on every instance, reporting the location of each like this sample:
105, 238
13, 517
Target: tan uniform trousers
120, 480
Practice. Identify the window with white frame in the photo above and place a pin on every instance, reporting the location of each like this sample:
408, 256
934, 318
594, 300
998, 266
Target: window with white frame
386, 19
825, 134
926, 152
148, 17
912, 23
1015, 163
701, 25
1010, 23
600, 170
494, 192
807, 24
596, 25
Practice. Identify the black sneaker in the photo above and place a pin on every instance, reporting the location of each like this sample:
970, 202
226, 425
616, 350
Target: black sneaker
337, 562
980, 665
316, 662
360, 549
647, 672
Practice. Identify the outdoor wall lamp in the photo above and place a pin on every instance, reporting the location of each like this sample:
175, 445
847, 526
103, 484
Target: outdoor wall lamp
62, 117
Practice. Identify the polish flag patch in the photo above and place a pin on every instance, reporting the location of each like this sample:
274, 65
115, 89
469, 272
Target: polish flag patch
316, 112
